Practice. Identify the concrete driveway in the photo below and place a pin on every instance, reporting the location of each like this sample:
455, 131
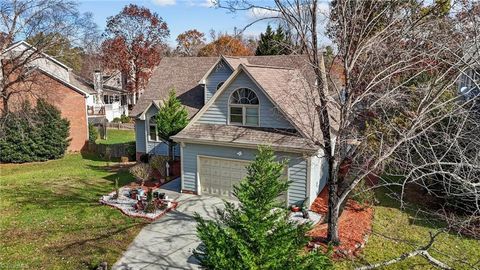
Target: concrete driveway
168, 242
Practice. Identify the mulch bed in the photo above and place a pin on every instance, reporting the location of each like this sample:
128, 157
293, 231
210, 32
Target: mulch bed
354, 228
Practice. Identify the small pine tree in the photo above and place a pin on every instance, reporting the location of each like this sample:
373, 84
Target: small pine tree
92, 133
257, 234
172, 117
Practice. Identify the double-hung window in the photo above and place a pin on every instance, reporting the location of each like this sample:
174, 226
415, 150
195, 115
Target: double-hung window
152, 129
244, 108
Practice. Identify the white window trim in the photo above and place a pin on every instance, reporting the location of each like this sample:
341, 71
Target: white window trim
244, 110
156, 131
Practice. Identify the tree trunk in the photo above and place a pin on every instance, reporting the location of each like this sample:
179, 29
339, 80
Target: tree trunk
333, 207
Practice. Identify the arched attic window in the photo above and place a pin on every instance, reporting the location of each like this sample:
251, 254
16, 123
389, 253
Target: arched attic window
244, 108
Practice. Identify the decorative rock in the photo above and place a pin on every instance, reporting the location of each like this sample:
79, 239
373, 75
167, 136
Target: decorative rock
312, 217
127, 205
103, 266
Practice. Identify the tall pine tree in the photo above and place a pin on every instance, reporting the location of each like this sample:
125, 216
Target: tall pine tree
266, 44
257, 234
273, 43
172, 117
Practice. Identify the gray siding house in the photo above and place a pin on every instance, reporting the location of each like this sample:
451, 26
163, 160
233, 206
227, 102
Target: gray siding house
235, 105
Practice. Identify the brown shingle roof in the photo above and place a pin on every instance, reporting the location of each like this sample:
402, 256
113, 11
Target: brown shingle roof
248, 136
287, 79
235, 61
183, 73
291, 92
81, 83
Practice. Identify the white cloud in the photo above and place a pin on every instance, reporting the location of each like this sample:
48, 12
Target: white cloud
259, 13
208, 3
201, 3
164, 2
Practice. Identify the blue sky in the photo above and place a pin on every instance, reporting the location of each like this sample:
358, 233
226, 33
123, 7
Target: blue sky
180, 15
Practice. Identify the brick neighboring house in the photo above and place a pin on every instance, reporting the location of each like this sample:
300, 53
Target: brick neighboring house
55, 82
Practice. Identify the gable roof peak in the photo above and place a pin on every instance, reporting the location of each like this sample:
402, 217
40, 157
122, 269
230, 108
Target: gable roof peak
30, 47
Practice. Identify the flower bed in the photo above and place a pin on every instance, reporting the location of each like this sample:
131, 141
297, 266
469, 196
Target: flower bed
127, 205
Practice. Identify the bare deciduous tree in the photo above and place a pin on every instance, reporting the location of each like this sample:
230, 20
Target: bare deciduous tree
141, 171
399, 64
58, 21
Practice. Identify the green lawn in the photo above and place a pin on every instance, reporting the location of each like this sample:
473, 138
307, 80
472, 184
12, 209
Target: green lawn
396, 232
50, 217
116, 136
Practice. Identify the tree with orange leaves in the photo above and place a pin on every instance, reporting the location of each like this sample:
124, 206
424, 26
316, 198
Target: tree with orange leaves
190, 42
225, 45
135, 40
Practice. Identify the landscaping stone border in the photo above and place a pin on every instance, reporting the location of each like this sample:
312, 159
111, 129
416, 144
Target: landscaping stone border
148, 216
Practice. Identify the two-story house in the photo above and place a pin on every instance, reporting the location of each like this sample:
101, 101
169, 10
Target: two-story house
80, 100
47, 78
110, 99
235, 105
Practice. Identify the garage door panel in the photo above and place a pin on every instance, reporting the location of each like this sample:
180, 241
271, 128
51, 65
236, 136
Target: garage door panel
219, 176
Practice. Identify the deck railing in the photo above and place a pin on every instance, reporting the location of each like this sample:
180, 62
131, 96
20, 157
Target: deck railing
96, 110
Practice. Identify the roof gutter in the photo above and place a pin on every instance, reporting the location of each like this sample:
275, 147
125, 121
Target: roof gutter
244, 145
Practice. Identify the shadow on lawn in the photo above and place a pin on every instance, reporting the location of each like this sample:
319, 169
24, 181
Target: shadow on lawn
57, 194
66, 218
416, 214
85, 227
70, 192
113, 240
117, 170
92, 156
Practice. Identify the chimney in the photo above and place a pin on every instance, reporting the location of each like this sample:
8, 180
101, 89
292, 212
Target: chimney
97, 81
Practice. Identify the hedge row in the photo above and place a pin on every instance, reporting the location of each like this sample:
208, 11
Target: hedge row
33, 134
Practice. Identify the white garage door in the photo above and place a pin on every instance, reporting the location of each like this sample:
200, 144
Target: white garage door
218, 176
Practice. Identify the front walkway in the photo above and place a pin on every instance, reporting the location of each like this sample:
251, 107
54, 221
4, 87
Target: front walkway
168, 242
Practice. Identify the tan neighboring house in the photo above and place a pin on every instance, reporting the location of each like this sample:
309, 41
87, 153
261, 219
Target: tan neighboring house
55, 82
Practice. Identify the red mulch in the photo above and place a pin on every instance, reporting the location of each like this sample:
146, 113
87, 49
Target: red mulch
354, 228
